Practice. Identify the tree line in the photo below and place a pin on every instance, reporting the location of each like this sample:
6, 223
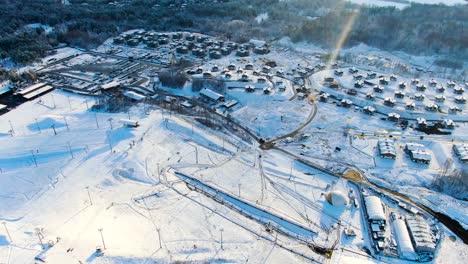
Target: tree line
418, 29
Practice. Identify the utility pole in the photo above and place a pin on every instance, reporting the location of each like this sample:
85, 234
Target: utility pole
12, 131
34, 157
95, 117
110, 143
39, 235
53, 100
222, 238
70, 149
239, 189
38, 127
69, 103
66, 123
87, 106
53, 127
8, 233
159, 173
159, 237
102, 238
89, 196
110, 122
223, 143
290, 172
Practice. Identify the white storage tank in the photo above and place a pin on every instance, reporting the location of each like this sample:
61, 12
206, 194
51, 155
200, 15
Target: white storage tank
337, 198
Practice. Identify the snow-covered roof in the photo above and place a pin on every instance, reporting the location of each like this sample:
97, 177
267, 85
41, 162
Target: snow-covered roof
415, 147
211, 94
420, 155
31, 88
128, 122
257, 42
186, 104
110, 85
421, 120
134, 96
461, 149
421, 233
387, 151
374, 208
386, 146
37, 92
369, 108
432, 105
448, 122
386, 141
230, 103
403, 238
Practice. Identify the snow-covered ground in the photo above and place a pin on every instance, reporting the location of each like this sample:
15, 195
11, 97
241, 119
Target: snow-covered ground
67, 171
124, 188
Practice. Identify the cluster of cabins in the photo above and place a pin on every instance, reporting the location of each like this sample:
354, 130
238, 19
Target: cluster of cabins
196, 44
245, 77
378, 84
418, 153
387, 148
413, 236
231, 71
